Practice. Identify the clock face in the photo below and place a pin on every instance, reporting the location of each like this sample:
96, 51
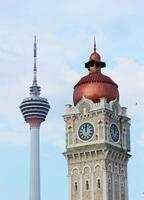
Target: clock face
86, 131
114, 133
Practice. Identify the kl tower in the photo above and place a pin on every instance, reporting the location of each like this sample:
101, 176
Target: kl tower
34, 110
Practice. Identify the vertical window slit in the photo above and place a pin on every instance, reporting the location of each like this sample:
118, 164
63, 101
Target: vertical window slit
76, 186
98, 183
87, 185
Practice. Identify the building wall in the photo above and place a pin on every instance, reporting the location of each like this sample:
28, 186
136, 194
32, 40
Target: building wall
97, 168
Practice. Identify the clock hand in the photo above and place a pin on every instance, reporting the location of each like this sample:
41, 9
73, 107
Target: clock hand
114, 130
86, 128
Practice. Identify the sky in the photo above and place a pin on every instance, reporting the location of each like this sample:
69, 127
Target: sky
65, 31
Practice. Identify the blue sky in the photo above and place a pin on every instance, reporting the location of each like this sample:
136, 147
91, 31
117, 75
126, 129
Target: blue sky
65, 31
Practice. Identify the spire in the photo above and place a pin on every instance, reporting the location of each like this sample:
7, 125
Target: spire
94, 44
35, 62
35, 89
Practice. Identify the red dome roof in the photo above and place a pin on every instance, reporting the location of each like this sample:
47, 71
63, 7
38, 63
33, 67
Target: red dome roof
95, 85
95, 77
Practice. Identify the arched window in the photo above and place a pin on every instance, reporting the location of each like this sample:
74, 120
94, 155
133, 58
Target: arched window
87, 185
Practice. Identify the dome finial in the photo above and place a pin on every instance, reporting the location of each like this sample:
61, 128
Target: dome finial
94, 59
94, 44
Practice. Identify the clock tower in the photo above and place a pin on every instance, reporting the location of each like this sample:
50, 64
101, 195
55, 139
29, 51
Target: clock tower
97, 137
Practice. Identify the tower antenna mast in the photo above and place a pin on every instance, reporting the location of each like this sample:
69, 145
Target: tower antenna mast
35, 62
35, 89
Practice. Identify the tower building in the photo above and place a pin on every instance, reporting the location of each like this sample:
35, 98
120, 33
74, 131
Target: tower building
34, 110
97, 137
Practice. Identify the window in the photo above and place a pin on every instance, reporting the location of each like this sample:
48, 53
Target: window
87, 185
98, 183
76, 186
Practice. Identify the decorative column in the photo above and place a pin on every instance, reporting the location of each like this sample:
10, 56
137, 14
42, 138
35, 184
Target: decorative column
69, 187
92, 182
113, 185
81, 184
105, 185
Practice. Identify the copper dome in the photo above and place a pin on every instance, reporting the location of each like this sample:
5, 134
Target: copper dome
95, 85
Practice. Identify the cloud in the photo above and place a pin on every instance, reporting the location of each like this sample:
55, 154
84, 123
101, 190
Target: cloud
101, 9
140, 140
129, 75
12, 138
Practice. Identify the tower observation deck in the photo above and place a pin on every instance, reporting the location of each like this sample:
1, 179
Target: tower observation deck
34, 110
34, 107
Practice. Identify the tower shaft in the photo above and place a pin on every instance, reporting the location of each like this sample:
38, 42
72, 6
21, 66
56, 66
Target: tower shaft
34, 110
34, 190
97, 162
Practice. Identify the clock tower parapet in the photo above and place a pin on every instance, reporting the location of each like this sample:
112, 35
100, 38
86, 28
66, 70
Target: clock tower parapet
86, 105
